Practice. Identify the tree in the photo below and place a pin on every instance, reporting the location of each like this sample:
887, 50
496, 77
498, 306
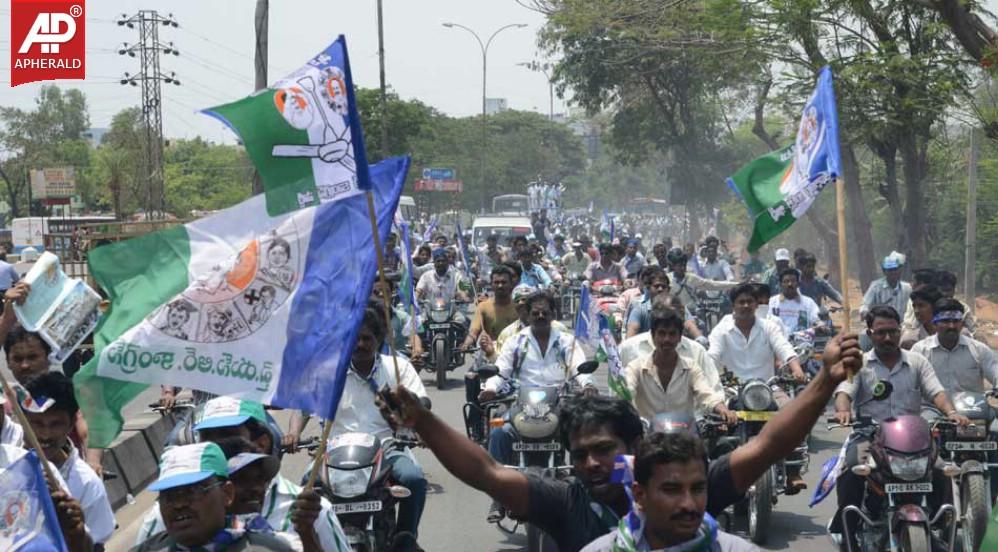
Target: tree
408, 121
41, 137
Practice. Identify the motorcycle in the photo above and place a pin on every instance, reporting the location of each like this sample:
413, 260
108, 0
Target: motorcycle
896, 514
442, 337
571, 294
356, 480
755, 405
966, 448
805, 345
606, 292
533, 411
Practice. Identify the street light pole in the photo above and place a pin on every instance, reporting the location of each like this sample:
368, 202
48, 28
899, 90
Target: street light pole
485, 54
543, 68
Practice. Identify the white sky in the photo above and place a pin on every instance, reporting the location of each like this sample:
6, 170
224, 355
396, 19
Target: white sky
424, 60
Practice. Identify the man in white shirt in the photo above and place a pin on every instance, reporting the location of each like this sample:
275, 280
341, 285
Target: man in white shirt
51, 415
749, 347
685, 285
889, 290
443, 281
537, 356
961, 363
795, 312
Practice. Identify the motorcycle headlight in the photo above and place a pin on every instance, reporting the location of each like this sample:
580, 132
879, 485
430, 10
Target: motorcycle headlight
438, 316
909, 468
350, 483
757, 396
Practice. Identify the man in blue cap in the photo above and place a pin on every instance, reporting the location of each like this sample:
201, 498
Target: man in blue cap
194, 496
889, 290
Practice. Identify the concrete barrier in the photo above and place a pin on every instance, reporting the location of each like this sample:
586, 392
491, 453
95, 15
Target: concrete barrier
134, 456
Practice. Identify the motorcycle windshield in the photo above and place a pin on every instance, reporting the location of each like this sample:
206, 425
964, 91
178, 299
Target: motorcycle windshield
351, 451
971, 405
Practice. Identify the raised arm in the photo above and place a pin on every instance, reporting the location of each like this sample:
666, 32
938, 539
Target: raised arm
459, 455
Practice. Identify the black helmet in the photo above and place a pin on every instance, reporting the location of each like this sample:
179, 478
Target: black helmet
676, 256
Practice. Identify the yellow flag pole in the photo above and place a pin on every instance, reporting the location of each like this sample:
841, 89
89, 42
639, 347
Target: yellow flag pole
840, 210
379, 255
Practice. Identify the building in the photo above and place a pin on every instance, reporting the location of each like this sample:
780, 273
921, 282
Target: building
496, 105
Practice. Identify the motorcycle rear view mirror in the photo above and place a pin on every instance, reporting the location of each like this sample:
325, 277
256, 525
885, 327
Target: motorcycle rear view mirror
588, 367
486, 371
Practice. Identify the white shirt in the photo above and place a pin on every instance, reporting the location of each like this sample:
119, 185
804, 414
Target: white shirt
277, 504
88, 488
753, 357
357, 411
431, 285
11, 433
693, 353
539, 368
795, 314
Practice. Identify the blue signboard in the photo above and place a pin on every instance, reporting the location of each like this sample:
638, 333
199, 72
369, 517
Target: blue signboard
438, 174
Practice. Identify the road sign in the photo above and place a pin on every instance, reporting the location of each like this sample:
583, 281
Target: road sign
425, 185
438, 174
53, 183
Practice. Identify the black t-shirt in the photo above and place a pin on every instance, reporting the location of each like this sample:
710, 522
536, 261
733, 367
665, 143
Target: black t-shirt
562, 507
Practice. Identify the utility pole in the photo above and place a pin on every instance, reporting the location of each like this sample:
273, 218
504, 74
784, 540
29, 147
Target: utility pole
260, 64
384, 92
970, 264
148, 50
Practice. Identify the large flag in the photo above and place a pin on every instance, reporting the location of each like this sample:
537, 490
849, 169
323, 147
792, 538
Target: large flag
780, 186
28, 522
607, 352
990, 541
240, 303
587, 320
303, 133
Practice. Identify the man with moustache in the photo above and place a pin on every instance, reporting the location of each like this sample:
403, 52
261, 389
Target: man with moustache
51, 415
595, 430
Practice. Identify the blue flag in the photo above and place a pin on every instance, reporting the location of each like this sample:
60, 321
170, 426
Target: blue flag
407, 288
428, 234
585, 325
28, 521
463, 251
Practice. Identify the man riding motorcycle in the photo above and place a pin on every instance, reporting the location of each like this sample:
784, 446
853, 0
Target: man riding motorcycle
533, 274
685, 285
577, 261
907, 379
605, 268
812, 285
795, 311
538, 355
749, 347
369, 374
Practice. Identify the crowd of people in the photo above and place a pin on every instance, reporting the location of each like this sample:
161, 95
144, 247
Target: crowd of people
226, 490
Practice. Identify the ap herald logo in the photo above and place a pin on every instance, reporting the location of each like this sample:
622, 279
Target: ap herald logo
48, 40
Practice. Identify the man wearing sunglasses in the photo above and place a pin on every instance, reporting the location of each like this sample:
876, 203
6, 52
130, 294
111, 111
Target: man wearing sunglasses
194, 496
892, 382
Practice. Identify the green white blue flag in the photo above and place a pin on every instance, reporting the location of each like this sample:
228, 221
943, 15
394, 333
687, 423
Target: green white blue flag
780, 186
303, 133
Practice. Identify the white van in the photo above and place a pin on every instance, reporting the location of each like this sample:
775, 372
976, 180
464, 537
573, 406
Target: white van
504, 227
407, 207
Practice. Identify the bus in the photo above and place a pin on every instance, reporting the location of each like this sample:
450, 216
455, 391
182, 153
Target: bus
407, 207
511, 204
52, 233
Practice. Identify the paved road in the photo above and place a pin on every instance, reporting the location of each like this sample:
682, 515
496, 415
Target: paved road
454, 519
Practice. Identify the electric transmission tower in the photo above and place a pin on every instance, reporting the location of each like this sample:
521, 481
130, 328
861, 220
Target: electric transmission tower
148, 49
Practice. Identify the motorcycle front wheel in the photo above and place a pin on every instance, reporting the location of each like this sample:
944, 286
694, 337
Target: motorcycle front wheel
975, 493
442, 360
760, 508
914, 538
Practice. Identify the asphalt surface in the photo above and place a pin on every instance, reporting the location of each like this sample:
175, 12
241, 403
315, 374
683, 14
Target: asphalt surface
454, 518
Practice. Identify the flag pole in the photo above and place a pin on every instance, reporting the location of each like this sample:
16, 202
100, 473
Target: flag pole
28, 432
379, 254
840, 211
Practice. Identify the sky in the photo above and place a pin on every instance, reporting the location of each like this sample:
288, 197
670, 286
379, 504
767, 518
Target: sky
423, 60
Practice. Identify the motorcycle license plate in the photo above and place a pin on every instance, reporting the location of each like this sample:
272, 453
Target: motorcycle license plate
753, 416
439, 326
536, 447
971, 445
357, 507
901, 488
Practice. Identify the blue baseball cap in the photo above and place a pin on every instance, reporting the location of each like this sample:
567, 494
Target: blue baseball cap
890, 263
